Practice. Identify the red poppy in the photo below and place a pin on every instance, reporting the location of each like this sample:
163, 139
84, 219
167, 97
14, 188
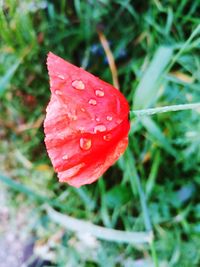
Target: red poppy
86, 124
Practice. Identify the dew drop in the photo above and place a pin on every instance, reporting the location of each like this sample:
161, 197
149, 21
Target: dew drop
109, 118
61, 135
58, 92
78, 84
92, 102
73, 117
118, 121
97, 119
81, 129
107, 137
61, 77
65, 157
99, 93
82, 109
85, 143
99, 128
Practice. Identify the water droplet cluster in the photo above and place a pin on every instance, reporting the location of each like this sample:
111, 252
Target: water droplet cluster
86, 143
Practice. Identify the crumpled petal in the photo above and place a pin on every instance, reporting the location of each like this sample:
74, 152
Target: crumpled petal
86, 125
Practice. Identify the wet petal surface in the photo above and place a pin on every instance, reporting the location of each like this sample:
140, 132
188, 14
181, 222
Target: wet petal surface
86, 124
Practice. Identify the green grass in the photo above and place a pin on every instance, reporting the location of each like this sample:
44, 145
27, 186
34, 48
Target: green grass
154, 186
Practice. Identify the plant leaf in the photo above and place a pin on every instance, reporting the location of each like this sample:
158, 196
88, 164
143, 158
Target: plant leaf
5, 80
148, 87
156, 132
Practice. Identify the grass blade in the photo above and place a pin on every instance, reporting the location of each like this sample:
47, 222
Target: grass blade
82, 227
145, 211
135, 181
21, 188
17, 186
153, 173
148, 87
155, 131
4, 81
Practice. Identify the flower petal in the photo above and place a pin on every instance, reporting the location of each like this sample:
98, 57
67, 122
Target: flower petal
86, 125
87, 174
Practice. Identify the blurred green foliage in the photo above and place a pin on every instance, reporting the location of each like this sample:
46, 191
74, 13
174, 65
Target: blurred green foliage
161, 165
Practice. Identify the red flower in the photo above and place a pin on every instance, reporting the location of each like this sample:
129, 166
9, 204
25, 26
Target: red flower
86, 124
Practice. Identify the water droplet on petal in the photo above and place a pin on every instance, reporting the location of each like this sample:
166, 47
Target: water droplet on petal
81, 129
58, 92
73, 117
92, 102
97, 119
85, 143
99, 128
61, 135
82, 109
99, 93
61, 77
107, 137
78, 84
109, 118
65, 157
118, 121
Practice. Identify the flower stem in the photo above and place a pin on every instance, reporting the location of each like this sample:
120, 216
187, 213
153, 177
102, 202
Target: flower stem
152, 111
